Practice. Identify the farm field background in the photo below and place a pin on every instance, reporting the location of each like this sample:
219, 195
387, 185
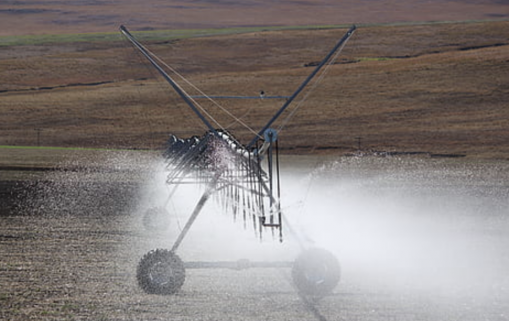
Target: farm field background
31, 17
415, 82
432, 88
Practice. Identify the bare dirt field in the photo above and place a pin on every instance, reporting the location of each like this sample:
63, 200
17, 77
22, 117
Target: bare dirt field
417, 239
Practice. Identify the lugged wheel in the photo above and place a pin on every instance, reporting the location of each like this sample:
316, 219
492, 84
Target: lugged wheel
156, 219
161, 272
316, 272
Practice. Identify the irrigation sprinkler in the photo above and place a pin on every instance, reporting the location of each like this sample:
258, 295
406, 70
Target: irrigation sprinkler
245, 178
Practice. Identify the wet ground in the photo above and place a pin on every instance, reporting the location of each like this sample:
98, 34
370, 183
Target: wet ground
417, 238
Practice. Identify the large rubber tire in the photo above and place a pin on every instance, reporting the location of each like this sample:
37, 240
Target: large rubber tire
161, 272
316, 272
156, 219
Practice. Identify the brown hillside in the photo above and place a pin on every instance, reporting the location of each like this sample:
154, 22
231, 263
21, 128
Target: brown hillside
440, 88
63, 16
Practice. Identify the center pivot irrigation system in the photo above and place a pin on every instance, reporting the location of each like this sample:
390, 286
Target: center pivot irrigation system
244, 179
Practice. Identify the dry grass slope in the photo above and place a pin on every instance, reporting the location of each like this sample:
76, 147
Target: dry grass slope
437, 88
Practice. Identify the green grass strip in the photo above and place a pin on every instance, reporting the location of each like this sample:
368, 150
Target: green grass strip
152, 35
155, 35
